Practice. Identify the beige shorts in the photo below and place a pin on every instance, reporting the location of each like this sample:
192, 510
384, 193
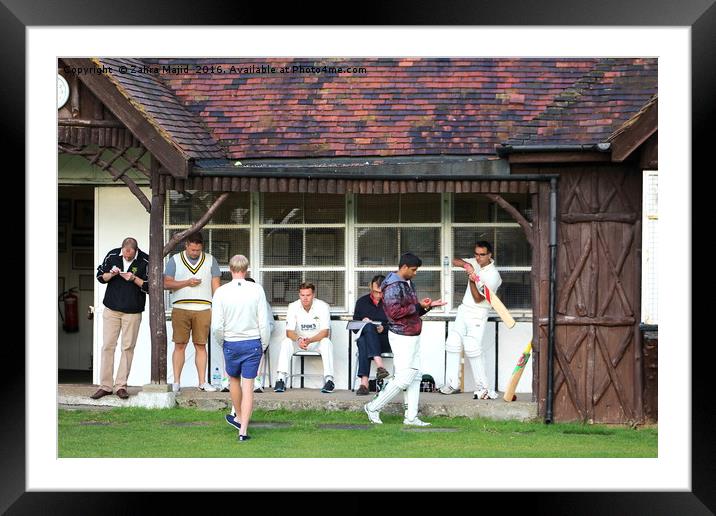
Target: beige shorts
194, 322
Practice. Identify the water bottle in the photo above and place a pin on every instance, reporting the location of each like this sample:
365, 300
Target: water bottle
216, 379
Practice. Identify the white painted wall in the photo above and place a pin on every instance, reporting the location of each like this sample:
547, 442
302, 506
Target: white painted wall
119, 214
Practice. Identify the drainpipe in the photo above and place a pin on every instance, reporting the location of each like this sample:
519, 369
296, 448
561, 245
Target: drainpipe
552, 288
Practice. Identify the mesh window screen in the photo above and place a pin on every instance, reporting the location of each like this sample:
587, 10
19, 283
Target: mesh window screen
427, 284
377, 246
406, 208
282, 209
282, 246
383, 246
325, 246
225, 243
282, 286
187, 207
422, 242
475, 208
302, 209
515, 291
510, 247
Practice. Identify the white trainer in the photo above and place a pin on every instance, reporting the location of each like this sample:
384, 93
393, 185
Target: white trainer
176, 388
373, 415
416, 422
207, 387
448, 389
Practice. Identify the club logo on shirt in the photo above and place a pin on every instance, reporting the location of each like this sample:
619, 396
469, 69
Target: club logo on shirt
308, 327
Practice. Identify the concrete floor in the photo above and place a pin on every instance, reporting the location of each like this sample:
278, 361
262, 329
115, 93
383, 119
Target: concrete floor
431, 404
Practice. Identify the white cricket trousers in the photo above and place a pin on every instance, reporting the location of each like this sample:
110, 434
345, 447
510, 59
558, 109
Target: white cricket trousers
406, 360
467, 333
324, 347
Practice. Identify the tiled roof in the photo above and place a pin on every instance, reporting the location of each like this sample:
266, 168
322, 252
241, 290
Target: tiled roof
596, 106
160, 107
397, 107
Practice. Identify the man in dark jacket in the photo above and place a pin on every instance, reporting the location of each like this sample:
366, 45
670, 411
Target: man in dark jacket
404, 326
373, 339
124, 270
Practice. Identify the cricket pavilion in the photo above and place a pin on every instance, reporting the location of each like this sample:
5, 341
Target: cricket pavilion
326, 175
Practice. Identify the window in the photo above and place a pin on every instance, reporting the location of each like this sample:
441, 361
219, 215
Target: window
392, 224
475, 218
226, 234
339, 242
303, 239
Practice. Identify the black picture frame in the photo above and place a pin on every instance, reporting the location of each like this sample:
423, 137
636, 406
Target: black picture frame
82, 259
699, 16
84, 214
82, 239
64, 211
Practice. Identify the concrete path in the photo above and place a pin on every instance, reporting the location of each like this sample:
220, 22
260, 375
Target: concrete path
72, 396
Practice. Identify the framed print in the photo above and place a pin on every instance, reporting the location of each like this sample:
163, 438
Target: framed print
62, 238
41, 471
82, 259
64, 210
86, 282
84, 214
82, 239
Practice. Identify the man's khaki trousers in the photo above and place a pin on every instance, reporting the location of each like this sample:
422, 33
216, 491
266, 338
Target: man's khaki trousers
115, 323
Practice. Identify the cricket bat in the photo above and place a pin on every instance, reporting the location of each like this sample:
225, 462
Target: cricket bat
498, 306
517, 373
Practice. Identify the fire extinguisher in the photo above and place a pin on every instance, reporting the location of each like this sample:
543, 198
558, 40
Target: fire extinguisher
70, 300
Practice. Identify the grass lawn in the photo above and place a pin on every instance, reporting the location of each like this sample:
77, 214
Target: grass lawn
180, 432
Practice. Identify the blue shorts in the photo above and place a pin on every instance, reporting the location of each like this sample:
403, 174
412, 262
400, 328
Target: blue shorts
242, 358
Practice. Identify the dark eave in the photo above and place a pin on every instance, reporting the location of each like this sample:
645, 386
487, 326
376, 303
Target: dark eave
131, 115
572, 153
389, 168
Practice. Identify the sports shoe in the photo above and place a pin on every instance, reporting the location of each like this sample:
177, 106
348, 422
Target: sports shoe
362, 391
207, 387
259, 389
373, 415
381, 373
280, 386
416, 422
232, 421
176, 387
244, 437
448, 389
328, 387
484, 394
225, 384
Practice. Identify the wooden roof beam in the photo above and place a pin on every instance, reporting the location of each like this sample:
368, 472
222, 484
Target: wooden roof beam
634, 133
170, 157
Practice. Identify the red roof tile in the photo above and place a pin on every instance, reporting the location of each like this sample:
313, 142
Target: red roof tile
410, 106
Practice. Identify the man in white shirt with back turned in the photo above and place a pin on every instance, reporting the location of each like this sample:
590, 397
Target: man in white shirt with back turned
308, 323
239, 324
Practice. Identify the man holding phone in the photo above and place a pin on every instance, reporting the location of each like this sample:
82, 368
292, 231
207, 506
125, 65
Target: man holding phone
404, 326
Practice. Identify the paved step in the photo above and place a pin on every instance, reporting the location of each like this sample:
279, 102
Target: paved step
431, 404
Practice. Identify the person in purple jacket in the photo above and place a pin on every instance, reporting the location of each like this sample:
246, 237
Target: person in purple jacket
403, 309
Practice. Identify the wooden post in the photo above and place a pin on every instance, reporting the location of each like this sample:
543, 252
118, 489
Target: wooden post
157, 323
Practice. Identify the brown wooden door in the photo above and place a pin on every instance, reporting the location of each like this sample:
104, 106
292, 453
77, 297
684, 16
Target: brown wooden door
597, 359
